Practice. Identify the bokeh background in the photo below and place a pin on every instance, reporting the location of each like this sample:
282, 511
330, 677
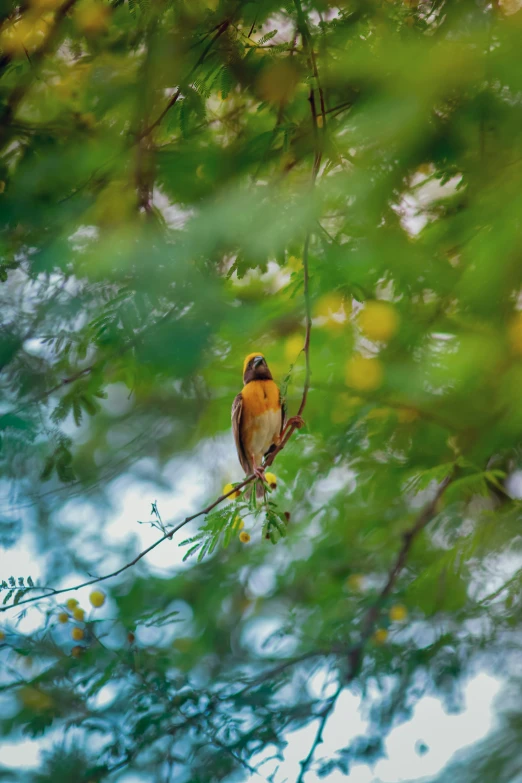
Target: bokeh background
171, 174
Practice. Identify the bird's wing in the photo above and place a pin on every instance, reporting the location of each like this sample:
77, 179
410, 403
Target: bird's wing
283, 412
237, 407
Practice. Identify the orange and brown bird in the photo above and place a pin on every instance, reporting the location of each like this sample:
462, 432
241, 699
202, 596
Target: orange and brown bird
258, 416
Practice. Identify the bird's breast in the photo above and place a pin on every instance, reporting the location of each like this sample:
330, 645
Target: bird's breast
261, 416
260, 397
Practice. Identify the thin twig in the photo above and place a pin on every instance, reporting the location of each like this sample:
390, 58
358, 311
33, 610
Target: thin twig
306, 274
325, 714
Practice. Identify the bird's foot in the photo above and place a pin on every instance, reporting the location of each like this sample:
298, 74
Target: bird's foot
259, 473
296, 421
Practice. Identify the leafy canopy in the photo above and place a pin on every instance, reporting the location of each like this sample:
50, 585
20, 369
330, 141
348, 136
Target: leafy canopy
182, 183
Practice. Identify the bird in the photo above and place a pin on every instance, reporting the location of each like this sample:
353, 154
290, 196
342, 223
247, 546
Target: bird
258, 417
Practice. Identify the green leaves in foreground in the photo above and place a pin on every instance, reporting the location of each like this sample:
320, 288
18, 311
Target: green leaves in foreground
221, 526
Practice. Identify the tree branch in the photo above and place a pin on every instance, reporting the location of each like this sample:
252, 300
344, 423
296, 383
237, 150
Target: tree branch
371, 617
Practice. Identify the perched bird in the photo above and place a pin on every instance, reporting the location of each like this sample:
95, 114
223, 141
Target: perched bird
258, 417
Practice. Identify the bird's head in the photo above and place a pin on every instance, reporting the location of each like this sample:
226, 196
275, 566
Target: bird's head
255, 368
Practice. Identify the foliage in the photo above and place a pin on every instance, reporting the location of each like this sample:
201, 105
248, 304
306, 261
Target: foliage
182, 183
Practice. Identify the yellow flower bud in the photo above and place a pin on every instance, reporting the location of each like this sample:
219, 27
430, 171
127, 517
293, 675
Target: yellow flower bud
332, 309
378, 321
227, 489
239, 523
244, 537
364, 374
79, 614
77, 634
398, 613
271, 480
63, 617
92, 16
97, 598
71, 604
355, 582
380, 636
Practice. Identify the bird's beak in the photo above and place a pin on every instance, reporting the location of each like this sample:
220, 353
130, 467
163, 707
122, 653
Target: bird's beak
258, 360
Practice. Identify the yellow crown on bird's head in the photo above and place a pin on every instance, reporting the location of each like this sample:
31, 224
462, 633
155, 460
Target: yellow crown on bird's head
250, 356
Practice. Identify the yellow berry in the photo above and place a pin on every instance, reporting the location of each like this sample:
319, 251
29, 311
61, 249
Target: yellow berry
244, 537
515, 333
378, 321
71, 604
380, 636
328, 305
271, 480
364, 374
77, 634
92, 17
331, 309
63, 617
79, 614
355, 582
233, 495
398, 613
97, 598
